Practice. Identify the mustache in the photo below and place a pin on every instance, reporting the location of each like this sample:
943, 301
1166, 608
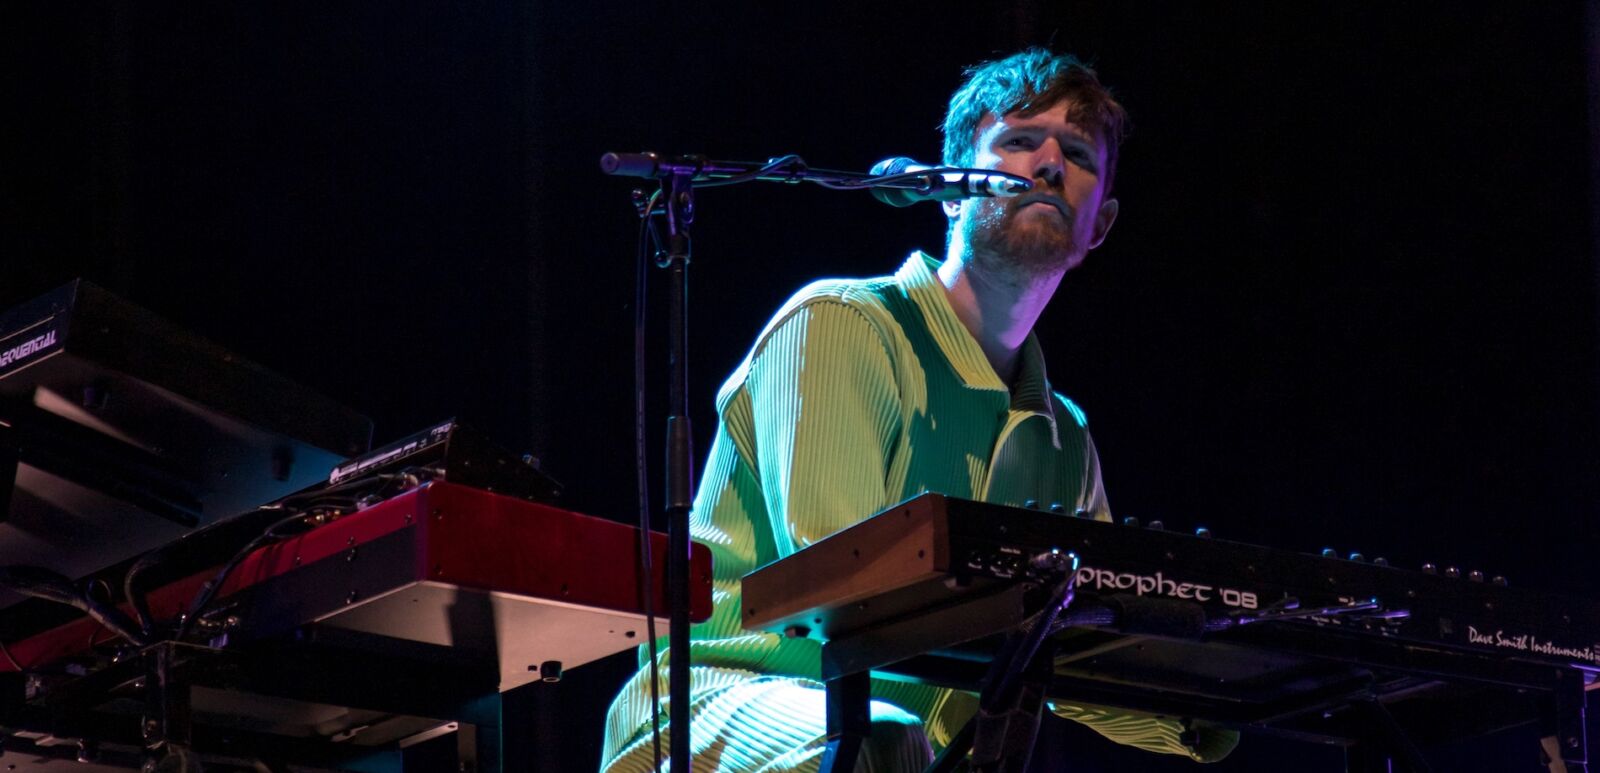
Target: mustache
1039, 195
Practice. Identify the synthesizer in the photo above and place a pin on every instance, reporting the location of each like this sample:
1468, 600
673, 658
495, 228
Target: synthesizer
1185, 625
446, 565
121, 432
934, 549
348, 643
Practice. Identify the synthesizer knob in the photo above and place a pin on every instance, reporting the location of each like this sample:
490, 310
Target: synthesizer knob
1157, 525
1057, 508
1202, 533
1330, 553
1452, 572
1357, 557
1475, 576
1380, 561
1031, 504
1430, 568
1082, 512
1131, 521
1499, 580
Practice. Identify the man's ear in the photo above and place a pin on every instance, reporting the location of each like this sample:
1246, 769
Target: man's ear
1103, 220
951, 208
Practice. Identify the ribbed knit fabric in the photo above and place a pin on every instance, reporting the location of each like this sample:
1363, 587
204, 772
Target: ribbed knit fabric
859, 394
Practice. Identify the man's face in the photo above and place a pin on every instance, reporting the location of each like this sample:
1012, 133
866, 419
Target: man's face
1049, 229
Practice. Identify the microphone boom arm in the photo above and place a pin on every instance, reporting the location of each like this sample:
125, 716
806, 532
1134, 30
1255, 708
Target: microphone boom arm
707, 173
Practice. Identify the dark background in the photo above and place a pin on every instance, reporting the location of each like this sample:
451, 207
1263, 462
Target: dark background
1350, 300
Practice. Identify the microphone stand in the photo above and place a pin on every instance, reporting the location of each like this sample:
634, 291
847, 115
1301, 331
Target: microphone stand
678, 176
678, 189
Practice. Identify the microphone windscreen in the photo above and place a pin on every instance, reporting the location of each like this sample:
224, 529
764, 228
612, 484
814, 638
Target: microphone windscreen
892, 166
895, 197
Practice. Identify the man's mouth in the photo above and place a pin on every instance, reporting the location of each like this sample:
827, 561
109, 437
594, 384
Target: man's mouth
1047, 199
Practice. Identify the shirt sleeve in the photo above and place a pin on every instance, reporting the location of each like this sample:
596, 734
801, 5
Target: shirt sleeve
825, 415
1093, 499
801, 451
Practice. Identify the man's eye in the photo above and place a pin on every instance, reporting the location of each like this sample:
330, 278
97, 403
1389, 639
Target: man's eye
1019, 142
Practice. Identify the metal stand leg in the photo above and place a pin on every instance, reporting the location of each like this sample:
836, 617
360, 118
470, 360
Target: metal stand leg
467, 741
956, 753
531, 739
849, 721
1392, 736
8, 470
1006, 730
167, 728
1364, 758
1570, 722
481, 737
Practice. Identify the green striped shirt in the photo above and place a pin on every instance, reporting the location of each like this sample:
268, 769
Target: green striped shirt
860, 394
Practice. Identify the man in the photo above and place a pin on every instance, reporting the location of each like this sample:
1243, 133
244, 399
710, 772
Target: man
862, 393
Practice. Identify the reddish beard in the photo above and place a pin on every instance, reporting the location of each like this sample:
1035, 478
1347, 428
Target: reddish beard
1006, 245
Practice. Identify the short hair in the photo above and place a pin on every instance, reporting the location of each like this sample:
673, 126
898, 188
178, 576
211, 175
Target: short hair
1030, 82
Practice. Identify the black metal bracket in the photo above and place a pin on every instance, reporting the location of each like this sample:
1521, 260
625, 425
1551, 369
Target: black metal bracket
1008, 723
1387, 733
167, 725
849, 720
8, 467
1570, 721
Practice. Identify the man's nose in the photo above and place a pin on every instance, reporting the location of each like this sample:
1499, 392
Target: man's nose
1050, 164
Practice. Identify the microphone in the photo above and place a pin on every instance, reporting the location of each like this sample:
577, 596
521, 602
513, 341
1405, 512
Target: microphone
943, 183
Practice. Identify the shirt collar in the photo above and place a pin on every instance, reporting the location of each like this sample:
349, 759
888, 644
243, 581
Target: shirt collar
1032, 391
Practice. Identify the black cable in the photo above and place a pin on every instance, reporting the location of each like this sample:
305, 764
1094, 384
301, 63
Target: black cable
794, 164
640, 441
1019, 651
38, 582
130, 591
9, 658
314, 501
775, 164
866, 183
43, 583
109, 603
209, 590
323, 497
